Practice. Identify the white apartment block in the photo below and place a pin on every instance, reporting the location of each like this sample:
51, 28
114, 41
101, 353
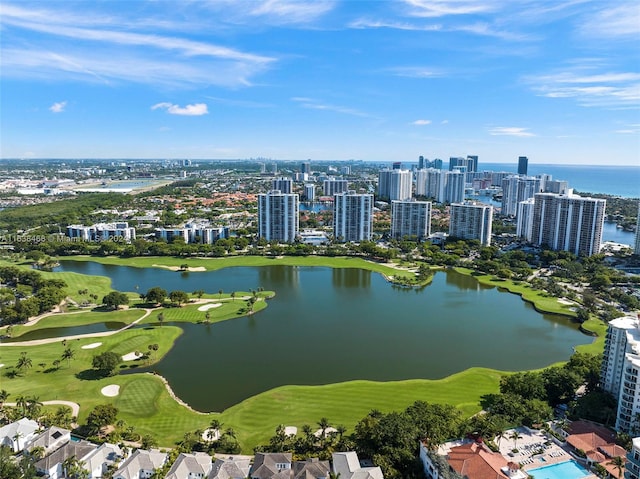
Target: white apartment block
395, 184
284, 185
620, 369
410, 218
471, 221
636, 248
200, 233
309, 192
524, 219
568, 222
102, 232
334, 187
278, 218
453, 190
353, 217
632, 467
516, 189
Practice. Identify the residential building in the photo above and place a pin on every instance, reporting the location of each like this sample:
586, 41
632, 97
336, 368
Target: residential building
394, 184
278, 218
334, 186
559, 187
453, 191
141, 464
472, 461
284, 185
523, 165
410, 218
353, 216
305, 167
271, 465
312, 468
50, 439
524, 219
516, 189
103, 232
199, 233
471, 221
632, 468
430, 183
190, 466
309, 192
17, 435
346, 465
230, 468
568, 222
597, 443
620, 368
99, 462
52, 466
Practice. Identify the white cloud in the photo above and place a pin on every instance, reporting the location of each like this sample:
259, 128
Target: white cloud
291, 11
417, 72
58, 107
317, 105
440, 8
510, 131
421, 122
197, 109
616, 20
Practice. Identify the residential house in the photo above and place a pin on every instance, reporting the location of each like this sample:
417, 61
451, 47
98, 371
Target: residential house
312, 468
230, 468
271, 465
103, 459
190, 466
141, 464
50, 439
595, 442
18, 433
52, 466
348, 466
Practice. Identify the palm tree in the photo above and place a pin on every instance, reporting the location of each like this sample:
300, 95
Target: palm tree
3, 396
229, 432
72, 468
233, 296
214, 429
160, 318
618, 464
24, 362
68, 354
33, 406
220, 293
515, 435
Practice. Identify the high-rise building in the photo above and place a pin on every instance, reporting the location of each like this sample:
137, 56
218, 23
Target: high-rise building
410, 218
516, 189
471, 221
470, 163
524, 219
309, 192
278, 218
620, 367
472, 160
332, 187
345, 170
453, 190
559, 187
421, 164
430, 183
636, 248
397, 165
523, 165
568, 222
632, 467
352, 216
305, 167
394, 184
437, 164
283, 185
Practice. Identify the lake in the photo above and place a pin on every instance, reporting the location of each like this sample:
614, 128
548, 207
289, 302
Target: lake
331, 325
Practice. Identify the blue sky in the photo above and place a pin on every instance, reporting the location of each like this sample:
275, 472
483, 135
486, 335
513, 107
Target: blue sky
557, 81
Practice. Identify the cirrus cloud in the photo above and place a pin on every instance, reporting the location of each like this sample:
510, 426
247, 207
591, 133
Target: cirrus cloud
510, 131
421, 122
197, 109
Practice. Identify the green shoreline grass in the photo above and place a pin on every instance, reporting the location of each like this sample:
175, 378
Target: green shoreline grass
145, 402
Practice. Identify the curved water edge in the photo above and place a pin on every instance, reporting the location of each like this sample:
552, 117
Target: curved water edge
438, 330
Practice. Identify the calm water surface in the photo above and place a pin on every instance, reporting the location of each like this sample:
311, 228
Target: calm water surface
330, 325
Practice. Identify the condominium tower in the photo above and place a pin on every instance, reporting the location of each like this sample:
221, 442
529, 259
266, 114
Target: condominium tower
516, 189
394, 184
636, 248
334, 187
284, 185
278, 216
523, 165
620, 369
471, 221
352, 216
410, 218
568, 222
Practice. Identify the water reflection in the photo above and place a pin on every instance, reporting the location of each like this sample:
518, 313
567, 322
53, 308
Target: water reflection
351, 278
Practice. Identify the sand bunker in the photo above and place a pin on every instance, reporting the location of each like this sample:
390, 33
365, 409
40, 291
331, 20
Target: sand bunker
209, 306
111, 390
327, 431
566, 301
214, 436
2, 365
290, 430
177, 268
91, 346
132, 356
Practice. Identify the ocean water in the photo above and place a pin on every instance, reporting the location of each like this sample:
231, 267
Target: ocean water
612, 180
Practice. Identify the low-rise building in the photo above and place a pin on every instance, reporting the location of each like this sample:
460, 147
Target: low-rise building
230, 468
141, 464
347, 465
271, 465
18, 434
103, 232
190, 466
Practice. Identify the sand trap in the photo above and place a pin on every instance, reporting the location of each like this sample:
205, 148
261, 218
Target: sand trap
328, 430
111, 390
214, 437
565, 301
91, 346
1, 365
290, 430
177, 268
209, 306
132, 356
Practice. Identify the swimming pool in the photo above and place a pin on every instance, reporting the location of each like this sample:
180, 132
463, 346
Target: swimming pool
563, 470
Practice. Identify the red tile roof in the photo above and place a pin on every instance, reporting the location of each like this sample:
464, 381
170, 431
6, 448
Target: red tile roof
475, 461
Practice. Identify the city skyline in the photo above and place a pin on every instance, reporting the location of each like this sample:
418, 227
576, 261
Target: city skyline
328, 80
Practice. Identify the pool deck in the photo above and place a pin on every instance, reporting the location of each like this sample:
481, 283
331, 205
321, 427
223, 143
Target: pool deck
535, 450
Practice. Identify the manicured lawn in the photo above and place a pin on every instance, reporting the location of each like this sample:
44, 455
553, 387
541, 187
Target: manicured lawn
212, 264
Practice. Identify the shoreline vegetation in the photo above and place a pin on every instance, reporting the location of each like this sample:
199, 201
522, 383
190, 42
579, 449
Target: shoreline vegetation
146, 401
